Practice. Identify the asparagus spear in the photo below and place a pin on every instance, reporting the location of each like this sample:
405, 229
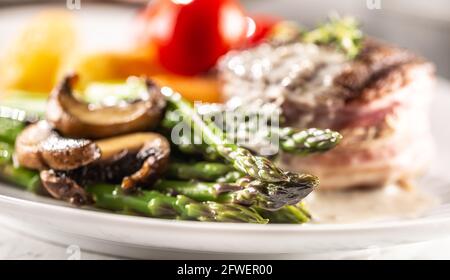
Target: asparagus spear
280, 187
236, 193
22, 177
289, 214
200, 191
156, 204
9, 129
25, 178
302, 142
230, 177
291, 140
6, 151
232, 194
308, 141
244, 191
206, 171
186, 142
187, 146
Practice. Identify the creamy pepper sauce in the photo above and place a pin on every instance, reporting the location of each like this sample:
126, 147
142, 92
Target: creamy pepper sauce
300, 71
352, 206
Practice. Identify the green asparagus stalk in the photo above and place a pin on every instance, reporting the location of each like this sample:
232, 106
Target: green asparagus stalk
240, 192
28, 179
303, 142
22, 177
230, 177
291, 140
6, 152
158, 205
281, 188
206, 152
186, 142
231, 194
308, 141
188, 147
289, 214
200, 191
205, 171
241, 158
9, 129
25, 178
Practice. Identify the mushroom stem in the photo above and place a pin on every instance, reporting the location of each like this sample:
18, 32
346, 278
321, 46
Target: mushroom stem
64, 188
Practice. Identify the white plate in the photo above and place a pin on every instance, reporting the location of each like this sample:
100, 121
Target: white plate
156, 238
147, 237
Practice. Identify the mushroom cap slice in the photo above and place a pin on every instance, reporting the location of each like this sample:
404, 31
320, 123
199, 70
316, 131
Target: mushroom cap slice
151, 150
141, 157
76, 119
27, 148
66, 154
155, 152
39, 147
114, 147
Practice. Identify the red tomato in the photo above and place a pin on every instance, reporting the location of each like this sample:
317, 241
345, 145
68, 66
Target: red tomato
259, 27
190, 35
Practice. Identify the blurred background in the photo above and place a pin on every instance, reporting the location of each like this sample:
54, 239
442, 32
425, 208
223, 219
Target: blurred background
423, 26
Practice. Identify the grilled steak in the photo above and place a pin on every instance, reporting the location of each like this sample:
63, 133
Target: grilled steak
378, 101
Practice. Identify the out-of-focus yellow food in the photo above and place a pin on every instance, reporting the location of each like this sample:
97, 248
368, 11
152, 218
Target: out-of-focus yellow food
47, 49
103, 66
199, 88
114, 66
34, 58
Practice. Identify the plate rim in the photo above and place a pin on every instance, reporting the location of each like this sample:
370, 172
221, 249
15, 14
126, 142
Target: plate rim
149, 221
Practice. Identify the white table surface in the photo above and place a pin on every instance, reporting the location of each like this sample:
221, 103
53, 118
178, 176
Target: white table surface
18, 246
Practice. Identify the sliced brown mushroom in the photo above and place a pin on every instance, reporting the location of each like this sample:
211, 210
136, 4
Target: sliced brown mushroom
62, 187
155, 153
76, 119
39, 147
150, 150
132, 160
135, 159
